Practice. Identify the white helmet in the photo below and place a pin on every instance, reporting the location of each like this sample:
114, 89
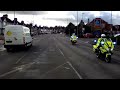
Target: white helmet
73, 34
103, 35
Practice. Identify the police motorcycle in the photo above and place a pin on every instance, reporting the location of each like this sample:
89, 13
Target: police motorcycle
73, 39
105, 53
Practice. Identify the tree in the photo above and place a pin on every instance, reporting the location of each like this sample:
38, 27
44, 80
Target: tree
70, 28
22, 22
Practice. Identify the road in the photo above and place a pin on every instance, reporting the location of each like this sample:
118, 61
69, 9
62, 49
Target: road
54, 57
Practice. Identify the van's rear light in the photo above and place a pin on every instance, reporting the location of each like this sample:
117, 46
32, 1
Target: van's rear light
24, 40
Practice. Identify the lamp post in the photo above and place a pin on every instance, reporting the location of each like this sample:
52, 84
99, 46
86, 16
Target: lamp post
14, 17
111, 20
77, 23
82, 16
82, 24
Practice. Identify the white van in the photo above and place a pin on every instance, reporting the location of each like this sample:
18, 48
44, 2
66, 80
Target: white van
17, 36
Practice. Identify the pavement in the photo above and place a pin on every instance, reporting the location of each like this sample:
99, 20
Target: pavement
52, 56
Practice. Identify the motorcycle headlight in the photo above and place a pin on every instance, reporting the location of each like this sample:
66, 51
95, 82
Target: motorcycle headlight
102, 43
111, 49
107, 49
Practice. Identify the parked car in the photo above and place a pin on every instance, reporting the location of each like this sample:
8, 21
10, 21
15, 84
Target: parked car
87, 35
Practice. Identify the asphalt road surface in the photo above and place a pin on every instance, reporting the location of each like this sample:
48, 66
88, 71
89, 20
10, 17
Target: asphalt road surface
52, 56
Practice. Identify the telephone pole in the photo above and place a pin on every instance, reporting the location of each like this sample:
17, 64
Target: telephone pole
77, 23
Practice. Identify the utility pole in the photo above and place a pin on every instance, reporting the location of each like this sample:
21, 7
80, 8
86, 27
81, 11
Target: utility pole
82, 24
111, 20
14, 17
77, 23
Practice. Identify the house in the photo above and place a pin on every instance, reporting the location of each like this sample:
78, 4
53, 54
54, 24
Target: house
4, 20
99, 26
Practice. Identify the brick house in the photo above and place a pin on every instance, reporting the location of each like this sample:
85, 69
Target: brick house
99, 26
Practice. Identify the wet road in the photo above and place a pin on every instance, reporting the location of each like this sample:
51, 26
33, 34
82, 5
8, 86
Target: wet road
54, 57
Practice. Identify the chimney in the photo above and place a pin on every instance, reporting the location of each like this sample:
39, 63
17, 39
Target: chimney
22, 22
5, 16
88, 21
15, 20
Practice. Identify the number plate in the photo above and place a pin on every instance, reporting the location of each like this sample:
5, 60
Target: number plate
8, 41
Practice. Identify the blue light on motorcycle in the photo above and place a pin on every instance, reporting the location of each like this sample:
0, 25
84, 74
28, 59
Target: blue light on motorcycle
114, 43
95, 40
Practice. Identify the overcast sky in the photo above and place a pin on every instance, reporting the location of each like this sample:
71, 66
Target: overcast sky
62, 18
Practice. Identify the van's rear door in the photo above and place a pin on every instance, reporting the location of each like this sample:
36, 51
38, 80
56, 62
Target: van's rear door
13, 37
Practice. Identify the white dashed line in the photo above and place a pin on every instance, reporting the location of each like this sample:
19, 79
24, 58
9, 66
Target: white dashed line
20, 58
75, 70
80, 77
8, 73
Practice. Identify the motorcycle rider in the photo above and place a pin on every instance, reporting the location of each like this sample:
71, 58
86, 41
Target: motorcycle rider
98, 45
73, 36
107, 44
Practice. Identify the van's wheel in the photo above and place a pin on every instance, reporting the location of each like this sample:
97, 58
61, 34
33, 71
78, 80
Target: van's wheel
8, 49
31, 44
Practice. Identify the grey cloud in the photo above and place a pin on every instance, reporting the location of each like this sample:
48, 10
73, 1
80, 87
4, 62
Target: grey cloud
25, 12
105, 15
60, 19
86, 15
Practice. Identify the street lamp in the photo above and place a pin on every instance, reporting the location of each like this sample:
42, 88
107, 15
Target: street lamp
82, 16
111, 20
82, 24
77, 23
14, 17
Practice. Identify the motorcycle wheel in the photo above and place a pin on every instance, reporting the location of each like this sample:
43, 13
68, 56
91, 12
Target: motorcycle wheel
108, 59
98, 54
72, 43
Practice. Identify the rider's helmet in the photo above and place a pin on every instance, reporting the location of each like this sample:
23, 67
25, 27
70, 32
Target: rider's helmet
73, 34
103, 35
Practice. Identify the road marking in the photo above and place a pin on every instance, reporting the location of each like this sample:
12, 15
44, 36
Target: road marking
66, 68
61, 52
8, 73
53, 69
70, 64
59, 49
21, 58
19, 68
75, 70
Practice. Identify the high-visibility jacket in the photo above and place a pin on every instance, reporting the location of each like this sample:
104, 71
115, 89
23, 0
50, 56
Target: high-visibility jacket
73, 37
107, 44
99, 42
